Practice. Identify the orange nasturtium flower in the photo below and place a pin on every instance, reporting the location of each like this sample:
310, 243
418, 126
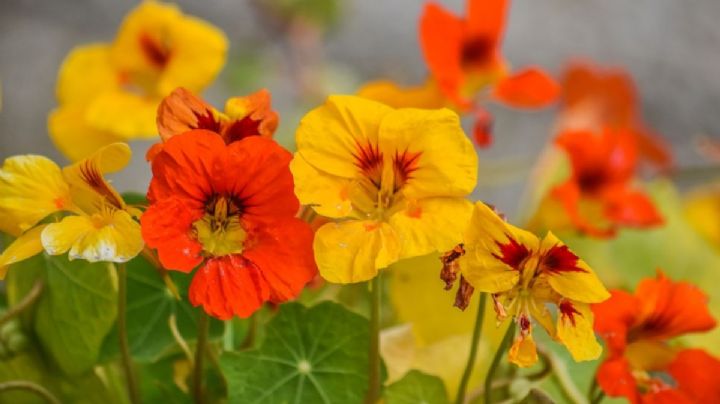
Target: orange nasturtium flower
640, 364
182, 111
96, 224
229, 209
109, 92
594, 98
464, 58
395, 181
523, 274
599, 196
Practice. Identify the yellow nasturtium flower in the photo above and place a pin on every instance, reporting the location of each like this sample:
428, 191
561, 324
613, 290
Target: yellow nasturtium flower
93, 223
395, 180
525, 275
110, 92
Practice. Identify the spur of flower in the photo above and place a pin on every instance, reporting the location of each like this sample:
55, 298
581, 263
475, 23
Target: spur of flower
524, 275
600, 196
393, 180
466, 63
594, 97
110, 92
642, 364
70, 210
182, 111
229, 210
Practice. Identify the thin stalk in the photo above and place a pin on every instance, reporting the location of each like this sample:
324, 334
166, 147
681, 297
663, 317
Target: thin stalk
23, 304
200, 348
477, 331
373, 393
593, 389
130, 379
562, 379
509, 334
249, 340
31, 387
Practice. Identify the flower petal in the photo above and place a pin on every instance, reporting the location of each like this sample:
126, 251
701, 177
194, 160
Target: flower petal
616, 379
167, 226
86, 72
22, 248
486, 18
614, 317
182, 111
528, 88
697, 375
72, 135
327, 194
575, 330
426, 95
523, 351
124, 114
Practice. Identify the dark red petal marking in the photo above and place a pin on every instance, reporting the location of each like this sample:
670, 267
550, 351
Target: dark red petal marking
369, 159
477, 51
207, 121
405, 164
567, 310
512, 253
241, 129
92, 177
559, 259
155, 52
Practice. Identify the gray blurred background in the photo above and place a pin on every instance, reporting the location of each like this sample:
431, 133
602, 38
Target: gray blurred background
672, 48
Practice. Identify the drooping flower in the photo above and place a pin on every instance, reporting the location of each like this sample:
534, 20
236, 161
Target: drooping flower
230, 211
109, 92
525, 274
465, 62
393, 179
599, 195
595, 97
641, 365
182, 111
92, 220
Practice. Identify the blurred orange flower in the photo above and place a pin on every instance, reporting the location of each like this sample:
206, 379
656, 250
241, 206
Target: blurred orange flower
599, 196
464, 58
594, 97
182, 111
230, 209
636, 329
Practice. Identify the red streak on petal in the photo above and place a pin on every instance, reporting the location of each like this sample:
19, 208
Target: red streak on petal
405, 164
512, 253
477, 51
369, 159
241, 129
156, 53
567, 310
560, 259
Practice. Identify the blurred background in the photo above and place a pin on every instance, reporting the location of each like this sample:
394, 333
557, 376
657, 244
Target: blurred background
672, 49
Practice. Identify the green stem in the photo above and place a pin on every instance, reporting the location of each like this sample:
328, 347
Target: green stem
598, 399
562, 379
31, 387
373, 393
130, 379
477, 331
249, 340
593, 389
509, 334
203, 325
23, 304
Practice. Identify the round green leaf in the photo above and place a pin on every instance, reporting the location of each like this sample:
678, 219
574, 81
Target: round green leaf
416, 388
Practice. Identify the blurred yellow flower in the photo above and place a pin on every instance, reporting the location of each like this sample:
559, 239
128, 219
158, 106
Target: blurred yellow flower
702, 209
110, 92
99, 227
523, 274
395, 180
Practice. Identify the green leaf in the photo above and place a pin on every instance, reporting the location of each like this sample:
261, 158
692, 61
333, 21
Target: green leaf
76, 312
309, 355
20, 279
149, 307
416, 388
134, 198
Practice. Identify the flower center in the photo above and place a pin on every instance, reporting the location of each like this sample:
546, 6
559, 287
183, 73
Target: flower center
220, 231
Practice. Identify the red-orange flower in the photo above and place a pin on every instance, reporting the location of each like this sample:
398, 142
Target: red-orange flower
641, 365
229, 209
594, 97
182, 111
599, 195
464, 57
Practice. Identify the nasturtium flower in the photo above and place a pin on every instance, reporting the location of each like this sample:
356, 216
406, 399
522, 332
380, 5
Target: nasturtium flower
641, 364
595, 97
228, 209
524, 275
394, 180
109, 92
599, 196
465, 62
91, 221
182, 111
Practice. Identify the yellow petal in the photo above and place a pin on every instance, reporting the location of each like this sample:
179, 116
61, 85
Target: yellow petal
702, 209
447, 164
575, 331
583, 286
123, 114
480, 264
22, 248
31, 188
85, 73
73, 136
426, 96
354, 251
111, 236
523, 352
326, 193
431, 225
328, 136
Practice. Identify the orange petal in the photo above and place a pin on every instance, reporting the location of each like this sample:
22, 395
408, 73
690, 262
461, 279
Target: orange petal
529, 88
441, 39
654, 149
631, 208
614, 317
482, 128
568, 194
182, 111
615, 378
697, 375
486, 18
249, 116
